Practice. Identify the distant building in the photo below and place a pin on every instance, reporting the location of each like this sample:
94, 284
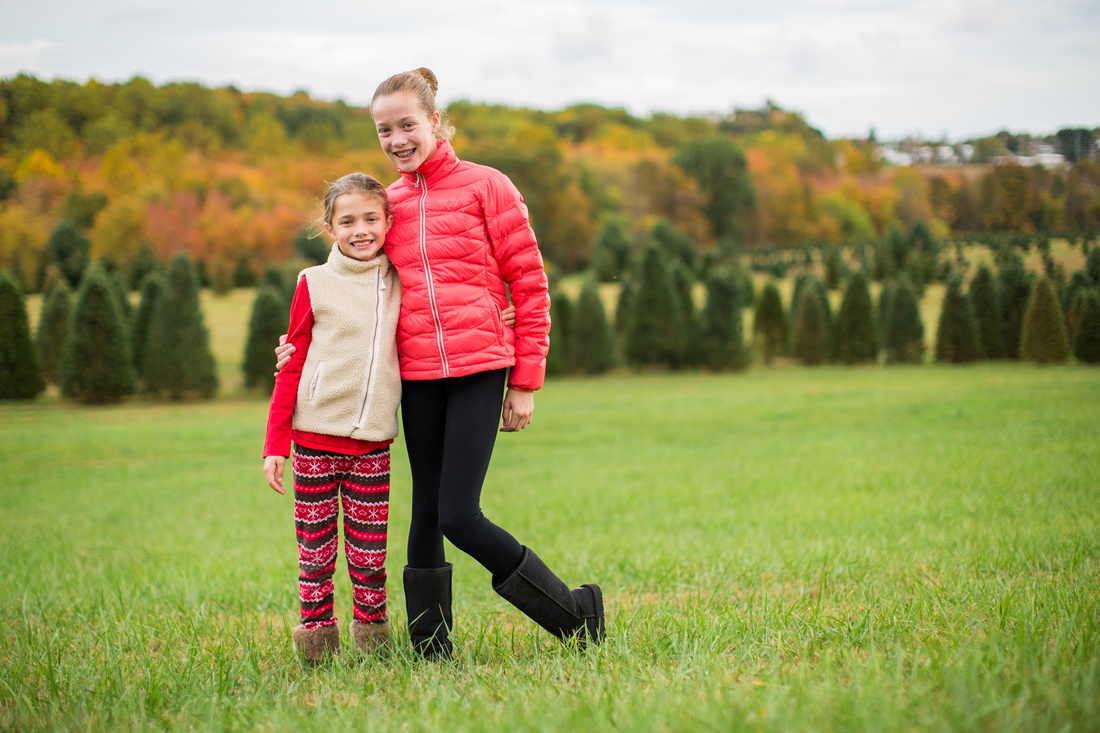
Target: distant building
1045, 160
946, 155
893, 156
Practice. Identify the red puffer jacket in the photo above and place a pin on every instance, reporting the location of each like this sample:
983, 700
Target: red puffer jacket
460, 233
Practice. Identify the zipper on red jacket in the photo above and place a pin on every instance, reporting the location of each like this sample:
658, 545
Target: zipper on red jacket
422, 184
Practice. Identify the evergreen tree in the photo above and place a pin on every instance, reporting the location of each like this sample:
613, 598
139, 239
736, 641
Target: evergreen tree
985, 296
804, 283
1043, 337
654, 323
691, 344
675, 245
957, 338
273, 276
899, 244
1076, 309
769, 324
834, 267
145, 261
151, 289
122, 293
1016, 285
560, 316
885, 307
1086, 344
591, 345
312, 246
810, 334
905, 331
856, 333
882, 264
268, 322
746, 290
20, 368
67, 248
97, 366
624, 306
800, 281
722, 327
53, 327
1079, 281
611, 252
1092, 265
178, 361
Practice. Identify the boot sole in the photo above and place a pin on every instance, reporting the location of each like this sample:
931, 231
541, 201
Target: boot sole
597, 604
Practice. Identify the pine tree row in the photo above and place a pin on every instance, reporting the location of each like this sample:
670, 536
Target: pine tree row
97, 349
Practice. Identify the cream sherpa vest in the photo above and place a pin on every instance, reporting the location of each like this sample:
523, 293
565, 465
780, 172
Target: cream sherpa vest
351, 380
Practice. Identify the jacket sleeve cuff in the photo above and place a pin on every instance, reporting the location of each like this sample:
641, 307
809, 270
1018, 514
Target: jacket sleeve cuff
527, 377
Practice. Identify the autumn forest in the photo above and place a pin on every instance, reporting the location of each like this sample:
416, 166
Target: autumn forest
232, 178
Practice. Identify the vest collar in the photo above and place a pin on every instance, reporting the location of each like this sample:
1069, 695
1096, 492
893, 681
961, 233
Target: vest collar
341, 264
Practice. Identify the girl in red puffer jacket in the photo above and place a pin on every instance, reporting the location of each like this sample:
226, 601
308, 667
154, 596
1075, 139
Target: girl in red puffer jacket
461, 241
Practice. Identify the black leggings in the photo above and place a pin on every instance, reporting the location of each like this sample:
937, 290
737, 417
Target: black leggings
450, 428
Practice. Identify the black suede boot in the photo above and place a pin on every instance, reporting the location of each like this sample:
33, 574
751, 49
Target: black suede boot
565, 613
428, 602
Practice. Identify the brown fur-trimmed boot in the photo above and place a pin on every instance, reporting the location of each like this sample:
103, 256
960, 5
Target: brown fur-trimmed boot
316, 646
371, 638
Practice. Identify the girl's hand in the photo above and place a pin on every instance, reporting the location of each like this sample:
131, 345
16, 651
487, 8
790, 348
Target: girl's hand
273, 469
509, 316
284, 350
518, 408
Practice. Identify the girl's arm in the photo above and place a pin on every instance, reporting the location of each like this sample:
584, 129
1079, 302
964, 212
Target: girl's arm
517, 254
281, 413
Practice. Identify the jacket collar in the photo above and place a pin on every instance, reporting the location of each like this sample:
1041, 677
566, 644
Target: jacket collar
443, 160
341, 264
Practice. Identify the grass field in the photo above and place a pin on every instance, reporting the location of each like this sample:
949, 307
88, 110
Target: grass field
788, 549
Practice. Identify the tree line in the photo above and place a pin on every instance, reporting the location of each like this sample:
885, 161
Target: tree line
676, 310
672, 310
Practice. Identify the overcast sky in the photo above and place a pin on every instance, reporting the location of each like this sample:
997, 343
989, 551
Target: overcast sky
932, 67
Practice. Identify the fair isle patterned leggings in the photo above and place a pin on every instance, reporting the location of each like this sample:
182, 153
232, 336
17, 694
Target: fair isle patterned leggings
321, 480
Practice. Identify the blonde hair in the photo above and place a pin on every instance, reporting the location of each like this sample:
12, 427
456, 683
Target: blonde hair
424, 86
351, 183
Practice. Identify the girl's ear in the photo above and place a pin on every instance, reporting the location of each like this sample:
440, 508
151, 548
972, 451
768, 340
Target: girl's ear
436, 120
332, 232
389, 222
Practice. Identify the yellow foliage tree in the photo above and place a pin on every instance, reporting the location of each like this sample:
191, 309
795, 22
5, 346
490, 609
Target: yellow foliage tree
117, 234
23, 236
119, 172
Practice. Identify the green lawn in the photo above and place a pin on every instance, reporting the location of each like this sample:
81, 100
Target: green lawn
869, 549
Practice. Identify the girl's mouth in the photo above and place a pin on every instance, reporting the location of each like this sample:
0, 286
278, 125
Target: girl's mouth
405, 154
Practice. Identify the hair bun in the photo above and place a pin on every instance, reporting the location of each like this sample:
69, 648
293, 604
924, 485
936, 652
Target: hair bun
429, 77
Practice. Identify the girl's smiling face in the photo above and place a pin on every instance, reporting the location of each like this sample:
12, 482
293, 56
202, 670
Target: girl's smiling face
405, 131
359, 225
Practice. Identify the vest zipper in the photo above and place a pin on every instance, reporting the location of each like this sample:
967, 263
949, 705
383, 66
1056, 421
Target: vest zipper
368, 386
422, 184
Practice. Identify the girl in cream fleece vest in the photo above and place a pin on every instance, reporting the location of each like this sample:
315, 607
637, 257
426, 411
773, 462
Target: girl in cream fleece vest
337, 400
